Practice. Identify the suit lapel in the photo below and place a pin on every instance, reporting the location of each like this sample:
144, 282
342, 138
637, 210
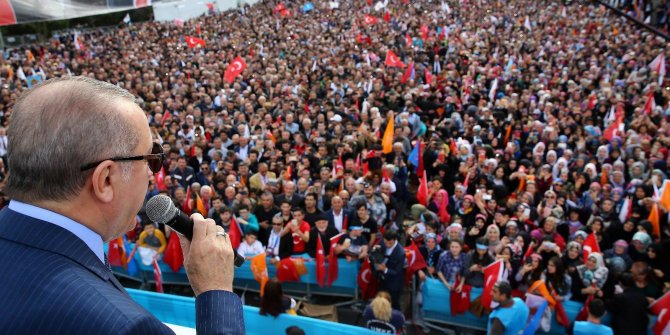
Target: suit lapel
52, 238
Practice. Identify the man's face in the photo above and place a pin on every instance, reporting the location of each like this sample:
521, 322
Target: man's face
389, 243
298, 216
321, 225
369, 191
277, 225
289, 188
244, 213
181, 163
266, 201
495, 294
310, 202
336, 204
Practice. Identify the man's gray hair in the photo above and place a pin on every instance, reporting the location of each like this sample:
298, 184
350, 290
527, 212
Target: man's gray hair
58, 127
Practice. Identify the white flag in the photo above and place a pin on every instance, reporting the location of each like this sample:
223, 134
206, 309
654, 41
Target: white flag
126, 19
494, 88
527, 24
77, 44
564, 13
658, 66
20, 74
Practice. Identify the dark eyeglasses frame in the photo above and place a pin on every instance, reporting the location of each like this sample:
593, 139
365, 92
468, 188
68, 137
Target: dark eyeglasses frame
155, 159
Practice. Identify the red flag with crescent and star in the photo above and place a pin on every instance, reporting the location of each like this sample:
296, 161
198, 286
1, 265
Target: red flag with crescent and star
193, 42
370, 20
392, 60
234, 69
367, 281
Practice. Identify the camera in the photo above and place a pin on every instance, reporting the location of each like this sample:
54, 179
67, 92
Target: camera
376, 256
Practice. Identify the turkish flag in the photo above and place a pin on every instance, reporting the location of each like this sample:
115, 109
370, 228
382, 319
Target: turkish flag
285, 12
415, 261
320, 262
115, 252
590, 245
173, 255
408, 40
370, 20
429, 76
286, 270
7, 15
280, 7
339, 167
333, 268
650, 105
192, 42
584, 312
661, 308
234, 69
408, 73
158, 277
422, 193
235, 233
460, 302
160, 179
367, 281
387, 17
186, 206
492, 274
392, 60
424, 32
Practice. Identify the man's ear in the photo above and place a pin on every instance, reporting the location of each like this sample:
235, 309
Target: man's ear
102, 180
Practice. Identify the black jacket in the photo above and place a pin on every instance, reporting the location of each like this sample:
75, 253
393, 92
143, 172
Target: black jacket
623, 321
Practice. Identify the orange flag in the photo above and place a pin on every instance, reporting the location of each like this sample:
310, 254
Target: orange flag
540, 287
200, 206
508, 132
603, 177
259, 268
665, 197
387, 140
655, 220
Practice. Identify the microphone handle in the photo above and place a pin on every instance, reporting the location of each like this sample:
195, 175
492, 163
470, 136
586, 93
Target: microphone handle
183, 225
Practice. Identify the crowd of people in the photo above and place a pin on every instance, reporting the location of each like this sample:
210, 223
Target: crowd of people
539, 124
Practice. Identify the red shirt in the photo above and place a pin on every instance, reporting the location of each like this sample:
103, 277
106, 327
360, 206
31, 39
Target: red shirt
299, 243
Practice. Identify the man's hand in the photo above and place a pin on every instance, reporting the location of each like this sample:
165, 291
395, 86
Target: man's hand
208, 258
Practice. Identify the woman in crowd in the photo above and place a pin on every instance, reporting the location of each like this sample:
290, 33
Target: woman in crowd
475, 262
274, 302
451, 266
381, 317
590, 278
558, 282
431, 252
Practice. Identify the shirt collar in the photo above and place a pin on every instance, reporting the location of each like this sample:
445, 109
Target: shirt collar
92, 239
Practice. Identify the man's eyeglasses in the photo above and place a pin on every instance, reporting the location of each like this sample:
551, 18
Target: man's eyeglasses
155, 159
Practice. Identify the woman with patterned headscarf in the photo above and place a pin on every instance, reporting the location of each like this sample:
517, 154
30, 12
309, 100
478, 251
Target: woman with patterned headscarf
590, 278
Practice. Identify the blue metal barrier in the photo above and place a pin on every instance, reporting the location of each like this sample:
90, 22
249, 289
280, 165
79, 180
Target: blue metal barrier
181, 311
437, 309
345, 285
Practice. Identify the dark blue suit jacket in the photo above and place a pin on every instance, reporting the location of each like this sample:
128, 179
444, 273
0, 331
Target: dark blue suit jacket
53, 283
393, 279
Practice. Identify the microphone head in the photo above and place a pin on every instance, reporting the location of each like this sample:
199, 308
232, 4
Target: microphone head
161, 209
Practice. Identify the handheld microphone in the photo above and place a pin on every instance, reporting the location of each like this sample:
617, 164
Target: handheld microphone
161, 209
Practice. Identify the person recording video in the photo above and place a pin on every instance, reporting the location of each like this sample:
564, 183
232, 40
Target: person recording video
389, 263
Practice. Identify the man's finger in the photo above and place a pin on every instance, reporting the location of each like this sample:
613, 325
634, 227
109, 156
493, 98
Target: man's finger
185, 245
211, 228
199, 227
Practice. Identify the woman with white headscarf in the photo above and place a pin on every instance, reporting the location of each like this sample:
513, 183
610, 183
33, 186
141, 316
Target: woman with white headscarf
590, 278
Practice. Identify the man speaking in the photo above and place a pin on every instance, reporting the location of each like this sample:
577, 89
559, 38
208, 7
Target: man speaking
80, 156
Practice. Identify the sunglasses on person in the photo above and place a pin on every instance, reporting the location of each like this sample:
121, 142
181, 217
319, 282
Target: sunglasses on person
155, 159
